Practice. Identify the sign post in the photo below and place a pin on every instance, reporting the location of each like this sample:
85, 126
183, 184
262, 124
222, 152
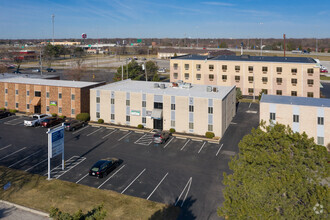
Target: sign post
55, 145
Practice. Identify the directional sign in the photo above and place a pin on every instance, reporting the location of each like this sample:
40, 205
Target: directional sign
56, 142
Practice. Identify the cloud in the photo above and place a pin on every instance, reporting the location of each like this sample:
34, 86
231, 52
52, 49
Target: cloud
218, 4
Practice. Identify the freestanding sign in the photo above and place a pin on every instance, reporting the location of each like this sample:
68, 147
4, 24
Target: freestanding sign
55, 145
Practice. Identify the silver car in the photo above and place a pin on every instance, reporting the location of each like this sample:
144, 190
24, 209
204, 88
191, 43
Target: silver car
161, 137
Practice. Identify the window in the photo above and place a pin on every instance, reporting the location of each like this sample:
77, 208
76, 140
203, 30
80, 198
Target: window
60, 95
191, 125
112, 116
264, 91
224, 68
47, 94
211, 67
27, 93
144, 104
293, 93
272, 116
237, 68
112, 101
172, 106
294, 81
186, 66
310, 94
73, 97
250, 78
97, 99
97, 114
210, 127
224, 77
320, 120
250, 68
158, 105
47, 108
210, 110
16, 91
59, 110
310, 70
320, 140
175, 66
144, 120
175, 75
16, 105
72, 111
278, 92
186, 75
191, 108
6, 91
128, 118
198, 76
250, 90
198, 66
310, 82
279, 80
211, 77
264, 69
294, 71
279, 69
264, 79
128, 102
173, 124
6, 104
237, 78
27, 106
296, 118
37, 94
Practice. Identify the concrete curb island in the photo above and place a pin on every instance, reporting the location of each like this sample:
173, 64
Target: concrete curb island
25, 208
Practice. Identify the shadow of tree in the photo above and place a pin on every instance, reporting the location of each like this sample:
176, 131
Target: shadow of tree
5, 211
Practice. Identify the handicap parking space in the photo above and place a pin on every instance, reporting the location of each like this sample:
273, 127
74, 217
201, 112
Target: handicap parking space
15, 120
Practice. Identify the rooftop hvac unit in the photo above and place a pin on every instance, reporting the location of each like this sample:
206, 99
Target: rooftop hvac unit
209, 89
215, 89
162, 86
156, 85
186, 86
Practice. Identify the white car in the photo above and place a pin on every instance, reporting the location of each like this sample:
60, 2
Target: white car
36, 120
162, 70
36, 71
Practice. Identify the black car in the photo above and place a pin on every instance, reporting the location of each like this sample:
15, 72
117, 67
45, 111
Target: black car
51, 70
74, 125
4, 114
17, 72
102, 167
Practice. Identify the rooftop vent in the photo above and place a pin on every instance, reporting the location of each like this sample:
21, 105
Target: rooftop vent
215, 89
162, 86
186, 85
209, 89
156, 85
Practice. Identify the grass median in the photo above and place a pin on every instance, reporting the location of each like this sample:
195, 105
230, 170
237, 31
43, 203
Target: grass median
35, 191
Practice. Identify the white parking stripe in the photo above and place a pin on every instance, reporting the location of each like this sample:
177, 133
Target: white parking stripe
81, 129
111, 176
168, 142
109, 134
24, 158
219, 150
124, 136
5, 147
7, 117
93, 132
83, 158
82, 178
188, 184
133, 181
157, 186
13, 153
36, 165
60, 166
201, 147
185, 144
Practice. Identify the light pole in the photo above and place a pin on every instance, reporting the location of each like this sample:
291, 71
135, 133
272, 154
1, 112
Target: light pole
53, 17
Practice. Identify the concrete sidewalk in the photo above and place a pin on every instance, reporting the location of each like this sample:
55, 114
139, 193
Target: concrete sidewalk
11, 211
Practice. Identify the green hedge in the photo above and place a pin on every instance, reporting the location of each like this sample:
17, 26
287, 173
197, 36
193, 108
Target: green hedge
54, 115
209, 134
83, 117
2, 109
62, 116
172, 130
100, 121
140, 126
12, 110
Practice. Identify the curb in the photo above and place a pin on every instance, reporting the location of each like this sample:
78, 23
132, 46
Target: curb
197, 138
26, 208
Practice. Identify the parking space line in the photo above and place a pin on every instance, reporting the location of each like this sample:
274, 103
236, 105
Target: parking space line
81, 129
83, 158
250, 104
133, 181
188, 184
24, 158
124, 136
157, 186
185, 144
111, 176
36, 165
219, 150
140, 138
7, 117
12, 153
93, 132
59, 165
5, 147
202, 147
168, 142
197, 140
20, 122
82, 178
109, 134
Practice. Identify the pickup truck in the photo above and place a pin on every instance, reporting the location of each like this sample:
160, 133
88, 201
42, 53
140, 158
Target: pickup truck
36, 120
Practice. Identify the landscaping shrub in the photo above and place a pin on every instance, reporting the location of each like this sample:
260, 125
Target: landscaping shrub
2, 109
172, 130
54, 115
62, 116
100, 121
209, 134
12, 110
83, 117
140, 126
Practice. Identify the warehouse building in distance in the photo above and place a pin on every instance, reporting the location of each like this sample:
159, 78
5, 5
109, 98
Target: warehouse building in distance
187, 108
302, 114
288, 76
32, 95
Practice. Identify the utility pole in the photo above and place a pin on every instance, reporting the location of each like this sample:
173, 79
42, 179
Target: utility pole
53, 17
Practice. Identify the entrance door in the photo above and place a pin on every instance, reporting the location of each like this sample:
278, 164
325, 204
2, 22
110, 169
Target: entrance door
158, 124
37, 109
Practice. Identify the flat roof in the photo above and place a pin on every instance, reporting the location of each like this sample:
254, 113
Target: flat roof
35, 76
49, 82
199, 91
294, 100
249, 58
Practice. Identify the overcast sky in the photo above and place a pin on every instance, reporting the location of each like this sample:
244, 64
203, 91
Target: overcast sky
167, 18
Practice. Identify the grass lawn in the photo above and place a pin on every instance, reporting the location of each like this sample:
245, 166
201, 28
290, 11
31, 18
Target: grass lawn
35, 191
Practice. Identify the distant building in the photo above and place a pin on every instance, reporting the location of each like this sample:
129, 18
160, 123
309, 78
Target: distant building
167, 53
63, 43
302, 114
24, 54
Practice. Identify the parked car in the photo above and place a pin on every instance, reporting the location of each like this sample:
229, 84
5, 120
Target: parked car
4, 114
17, 72
103, 167
36, 71
73, 125
51, 70
323, 70
161, 137
36, 120
135, 58
162, 70
50, 122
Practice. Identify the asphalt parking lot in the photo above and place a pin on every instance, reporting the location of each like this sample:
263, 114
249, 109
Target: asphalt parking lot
180, 172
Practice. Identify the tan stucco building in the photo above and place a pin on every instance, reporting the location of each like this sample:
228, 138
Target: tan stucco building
288, 76
187, 108
302, 114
